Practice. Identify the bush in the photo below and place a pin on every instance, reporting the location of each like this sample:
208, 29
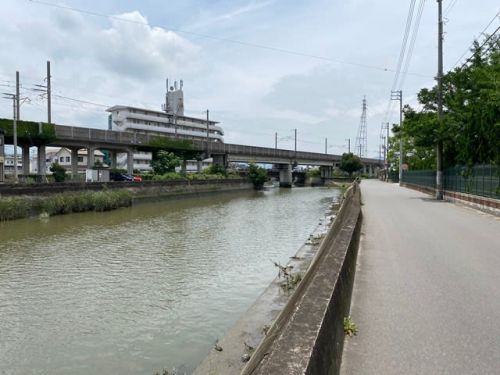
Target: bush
315, 172
215, 169
58, 172
257, 175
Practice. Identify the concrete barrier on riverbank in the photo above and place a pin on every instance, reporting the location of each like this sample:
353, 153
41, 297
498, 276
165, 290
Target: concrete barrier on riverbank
308, 335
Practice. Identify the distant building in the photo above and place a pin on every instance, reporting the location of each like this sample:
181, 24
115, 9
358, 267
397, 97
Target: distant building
9, 164
62, 155
171, 122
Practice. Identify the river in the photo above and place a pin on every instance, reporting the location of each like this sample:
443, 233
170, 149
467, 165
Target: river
139, 289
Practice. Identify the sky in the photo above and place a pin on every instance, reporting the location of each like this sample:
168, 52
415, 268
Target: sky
260, 66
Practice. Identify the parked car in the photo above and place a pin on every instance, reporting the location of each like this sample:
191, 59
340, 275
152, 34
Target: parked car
116, 176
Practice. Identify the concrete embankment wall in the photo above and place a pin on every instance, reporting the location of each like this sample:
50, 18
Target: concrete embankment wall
308, 335
490, 205
146, 189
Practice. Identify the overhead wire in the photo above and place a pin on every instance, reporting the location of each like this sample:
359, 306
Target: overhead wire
411, 47
450, 6
472, 44
222, 39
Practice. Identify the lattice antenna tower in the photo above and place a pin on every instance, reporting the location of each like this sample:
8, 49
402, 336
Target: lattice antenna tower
361, 139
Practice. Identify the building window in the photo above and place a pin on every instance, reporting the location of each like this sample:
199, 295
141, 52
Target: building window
61, 159
68, 159
80, 159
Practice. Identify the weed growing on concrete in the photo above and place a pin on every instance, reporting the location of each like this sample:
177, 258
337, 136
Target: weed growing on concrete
291, 279
265, 329
350, 328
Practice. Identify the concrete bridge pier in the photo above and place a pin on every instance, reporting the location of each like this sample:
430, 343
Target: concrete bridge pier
198, 166
326, 172
285, 175
113, 155
184, 166
74, 163
41, 163
26, 160
220, 159
130, 161
90, 157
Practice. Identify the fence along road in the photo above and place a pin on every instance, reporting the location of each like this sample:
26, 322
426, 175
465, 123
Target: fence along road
426, 298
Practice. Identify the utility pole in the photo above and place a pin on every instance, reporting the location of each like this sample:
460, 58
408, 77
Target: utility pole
348, 145
16, 117
276, 140
295, 140
398, 95
387, 151
208, 133
326, 145
439, 148
13, 97
49, 93
18, 111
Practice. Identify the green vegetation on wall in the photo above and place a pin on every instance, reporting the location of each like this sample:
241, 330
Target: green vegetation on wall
181, 147
28, 132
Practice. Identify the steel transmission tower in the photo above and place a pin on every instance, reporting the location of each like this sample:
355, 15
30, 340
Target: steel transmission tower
361, 139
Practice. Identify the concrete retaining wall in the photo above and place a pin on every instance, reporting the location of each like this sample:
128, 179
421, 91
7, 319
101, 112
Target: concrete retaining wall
308, 336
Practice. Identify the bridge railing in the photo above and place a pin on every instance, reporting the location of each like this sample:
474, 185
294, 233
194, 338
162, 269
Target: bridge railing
136, 139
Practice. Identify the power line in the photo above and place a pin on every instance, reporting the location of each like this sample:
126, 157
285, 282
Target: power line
227, 40
449, 7
411, 47
409, 19
481, 46
472, 44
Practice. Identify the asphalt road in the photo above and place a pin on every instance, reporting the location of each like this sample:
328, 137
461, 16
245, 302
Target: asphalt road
426, 296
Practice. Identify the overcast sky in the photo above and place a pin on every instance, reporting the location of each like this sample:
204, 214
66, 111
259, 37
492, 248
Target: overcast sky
254, 92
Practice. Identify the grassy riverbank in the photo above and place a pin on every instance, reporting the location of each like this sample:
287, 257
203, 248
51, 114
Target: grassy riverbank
20, 207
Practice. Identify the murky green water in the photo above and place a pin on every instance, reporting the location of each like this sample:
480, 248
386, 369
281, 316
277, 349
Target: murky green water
136, 290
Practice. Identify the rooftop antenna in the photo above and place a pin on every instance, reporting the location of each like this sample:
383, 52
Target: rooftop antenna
182, 84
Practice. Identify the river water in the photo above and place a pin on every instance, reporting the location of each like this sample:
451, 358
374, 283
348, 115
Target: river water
139, 289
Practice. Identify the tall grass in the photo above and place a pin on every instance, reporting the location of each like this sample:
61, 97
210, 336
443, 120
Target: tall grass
58, 204
14, 208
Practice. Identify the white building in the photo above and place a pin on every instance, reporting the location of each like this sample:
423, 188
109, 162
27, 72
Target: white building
62, 156
9, 164
171, 122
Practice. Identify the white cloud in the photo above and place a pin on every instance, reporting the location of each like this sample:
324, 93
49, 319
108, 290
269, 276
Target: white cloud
133, 48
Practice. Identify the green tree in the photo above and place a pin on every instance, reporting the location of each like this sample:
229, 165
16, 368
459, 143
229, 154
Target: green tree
58, 171
165, 162
350, 163
470, 127
257, 175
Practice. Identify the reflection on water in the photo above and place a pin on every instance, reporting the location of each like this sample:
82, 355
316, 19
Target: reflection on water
138, 289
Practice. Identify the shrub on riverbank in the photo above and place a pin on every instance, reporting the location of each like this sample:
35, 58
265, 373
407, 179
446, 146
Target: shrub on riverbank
85, 201
58, 204
14, 208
